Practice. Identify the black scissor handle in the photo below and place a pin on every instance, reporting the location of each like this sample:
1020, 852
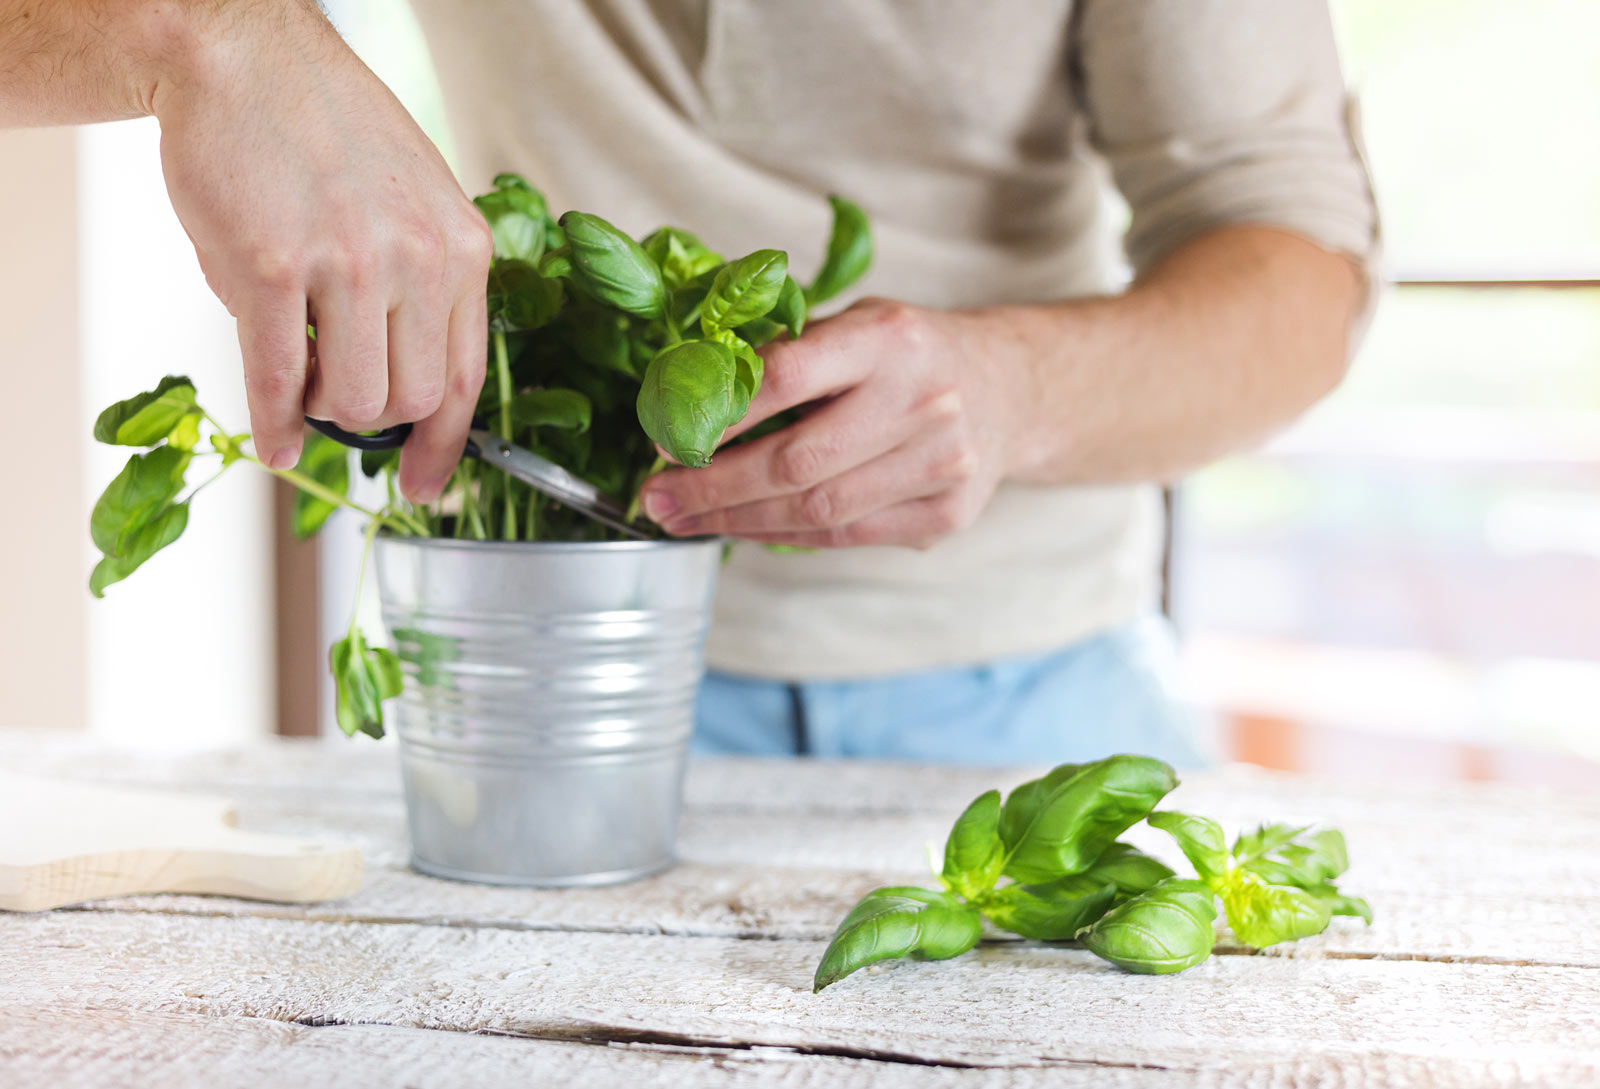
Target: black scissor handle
390, 438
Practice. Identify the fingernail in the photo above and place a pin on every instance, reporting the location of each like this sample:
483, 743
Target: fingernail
659, 505
431, 491
286, 458
681, 527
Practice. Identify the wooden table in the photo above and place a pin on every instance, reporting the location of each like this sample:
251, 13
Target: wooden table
1483, 967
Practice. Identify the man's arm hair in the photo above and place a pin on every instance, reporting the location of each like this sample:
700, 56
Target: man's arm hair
68, 62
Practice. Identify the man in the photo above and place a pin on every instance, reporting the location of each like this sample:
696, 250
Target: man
975, 471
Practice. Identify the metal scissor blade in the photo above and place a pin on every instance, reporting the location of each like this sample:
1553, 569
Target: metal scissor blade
548, 478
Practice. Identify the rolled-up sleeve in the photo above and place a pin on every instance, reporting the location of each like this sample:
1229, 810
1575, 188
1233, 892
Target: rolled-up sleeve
1214, 112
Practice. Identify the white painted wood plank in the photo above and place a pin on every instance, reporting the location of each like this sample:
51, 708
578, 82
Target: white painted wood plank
1337, 1022
1462, 872
1459, 884
99, 1049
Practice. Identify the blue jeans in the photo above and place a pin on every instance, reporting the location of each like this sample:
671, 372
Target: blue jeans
1110, 693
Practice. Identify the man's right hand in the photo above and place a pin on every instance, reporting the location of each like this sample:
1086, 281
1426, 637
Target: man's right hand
311, 196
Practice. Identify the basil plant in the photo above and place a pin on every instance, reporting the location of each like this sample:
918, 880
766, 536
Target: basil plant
1070, 878
603, 349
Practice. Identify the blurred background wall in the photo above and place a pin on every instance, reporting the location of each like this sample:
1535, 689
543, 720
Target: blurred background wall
1404, 584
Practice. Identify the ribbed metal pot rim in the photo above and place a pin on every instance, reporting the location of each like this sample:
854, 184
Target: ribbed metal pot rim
464, 545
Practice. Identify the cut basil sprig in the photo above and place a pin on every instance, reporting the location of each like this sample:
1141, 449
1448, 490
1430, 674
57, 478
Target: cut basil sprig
1071, 878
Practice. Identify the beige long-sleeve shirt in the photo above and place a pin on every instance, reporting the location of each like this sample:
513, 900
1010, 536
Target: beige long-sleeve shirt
988, 142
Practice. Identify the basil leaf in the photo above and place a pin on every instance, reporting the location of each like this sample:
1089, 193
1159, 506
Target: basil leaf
1050, 913
688, 398
760, 332
150, 537
1200, 839
688, 299
898, 922
519, 298
1264, 839
1340, 904
516, 214
566, 409
613, 267
147, 418
750, 371
1062, 823
328, 463
744, 290
1124, 866
849, 252
556, 264
185, 434
790, 310
680, 255
1303, 860
231, 447
974, 854
136, 497
1261, 914
363, 678
1167, 928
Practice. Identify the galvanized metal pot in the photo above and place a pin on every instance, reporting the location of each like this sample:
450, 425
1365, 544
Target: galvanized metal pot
548, 703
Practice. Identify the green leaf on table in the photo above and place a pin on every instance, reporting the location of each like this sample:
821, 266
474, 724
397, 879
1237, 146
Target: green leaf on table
1260, 841
565, 409
1060, 824
744, 290
328, 463
974, 854
1261, 914
147, 418
849, 252
1200, 839
1054, 912
688, 398
1340, 904
898, 922
1167, 928
1310, 858
613, 267
363, 677
1124, 866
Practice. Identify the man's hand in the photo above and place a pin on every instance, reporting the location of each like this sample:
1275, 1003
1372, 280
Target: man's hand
908, 439
312, 197
921, 413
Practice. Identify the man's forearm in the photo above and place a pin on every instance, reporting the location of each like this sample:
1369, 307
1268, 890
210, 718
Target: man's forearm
1226, 340
68, 62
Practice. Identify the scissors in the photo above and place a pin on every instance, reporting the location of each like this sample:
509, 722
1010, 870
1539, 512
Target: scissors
540, 474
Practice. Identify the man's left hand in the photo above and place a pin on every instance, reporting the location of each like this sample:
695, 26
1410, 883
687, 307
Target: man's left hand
905, 441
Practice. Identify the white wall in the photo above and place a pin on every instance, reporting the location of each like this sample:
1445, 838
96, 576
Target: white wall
182, 653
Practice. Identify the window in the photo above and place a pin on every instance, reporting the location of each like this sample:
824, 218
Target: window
1408, 581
